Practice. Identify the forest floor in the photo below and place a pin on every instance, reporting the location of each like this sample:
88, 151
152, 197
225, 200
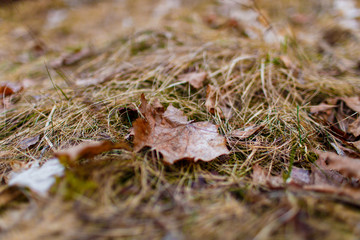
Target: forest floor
260, 139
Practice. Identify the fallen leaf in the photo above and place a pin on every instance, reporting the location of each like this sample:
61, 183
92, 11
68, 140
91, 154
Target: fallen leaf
353, 103
261, 177
28, 142
7, 89
214, 104
196, 79
247, 132
322, 107
299, 177
170, 133
72, 155
337, 115
321, 177
349, 167
38, 178
354, 127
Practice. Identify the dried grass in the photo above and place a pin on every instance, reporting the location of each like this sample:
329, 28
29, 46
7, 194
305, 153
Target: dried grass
136, 196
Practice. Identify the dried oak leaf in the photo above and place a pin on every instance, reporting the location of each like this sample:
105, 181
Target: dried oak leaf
196, 79
170, 133
348, 167
72, 155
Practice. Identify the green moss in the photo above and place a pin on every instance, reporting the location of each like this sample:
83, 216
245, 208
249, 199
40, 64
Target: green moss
78, 185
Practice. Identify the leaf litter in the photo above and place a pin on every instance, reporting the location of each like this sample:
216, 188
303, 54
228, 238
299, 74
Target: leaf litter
290, 69
331, 173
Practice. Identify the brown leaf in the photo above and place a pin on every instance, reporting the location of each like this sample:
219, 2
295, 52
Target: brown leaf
261, 177
28, 142
299, 177
210, 102
215, 105
349, 167
322, 107
353, 103
247, 132
7, 89
196, 79
170, 133
72, 155
337, 115
323, 177
354, 127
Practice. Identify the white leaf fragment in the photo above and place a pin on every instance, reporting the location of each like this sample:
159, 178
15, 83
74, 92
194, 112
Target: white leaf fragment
38, 178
